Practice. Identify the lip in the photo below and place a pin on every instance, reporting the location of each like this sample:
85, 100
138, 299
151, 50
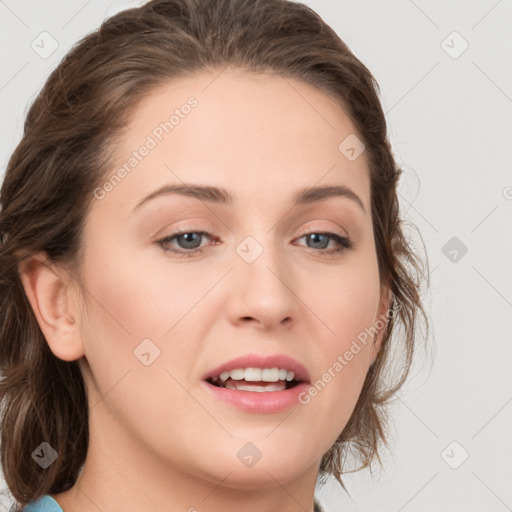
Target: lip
262, 361
259, 402
255, 402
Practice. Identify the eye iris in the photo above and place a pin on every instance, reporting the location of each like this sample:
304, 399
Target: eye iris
189, 239
315, 236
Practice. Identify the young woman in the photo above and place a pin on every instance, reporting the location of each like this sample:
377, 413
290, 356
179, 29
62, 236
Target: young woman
202, 266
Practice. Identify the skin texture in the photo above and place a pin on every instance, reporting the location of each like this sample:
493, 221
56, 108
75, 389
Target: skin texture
158, 441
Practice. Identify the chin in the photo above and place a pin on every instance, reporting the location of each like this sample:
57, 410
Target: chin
261, 473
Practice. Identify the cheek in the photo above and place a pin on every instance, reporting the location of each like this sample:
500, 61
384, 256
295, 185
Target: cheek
134, 299
346, 303
133, 309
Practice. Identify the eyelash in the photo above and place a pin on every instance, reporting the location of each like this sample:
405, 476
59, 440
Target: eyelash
344, 243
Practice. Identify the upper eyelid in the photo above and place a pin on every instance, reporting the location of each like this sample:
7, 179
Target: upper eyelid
209, 229
305, 232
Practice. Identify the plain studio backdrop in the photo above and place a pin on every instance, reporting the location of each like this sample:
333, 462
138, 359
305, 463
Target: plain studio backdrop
446, 80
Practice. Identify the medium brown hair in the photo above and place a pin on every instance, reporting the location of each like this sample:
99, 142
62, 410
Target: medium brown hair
66, 151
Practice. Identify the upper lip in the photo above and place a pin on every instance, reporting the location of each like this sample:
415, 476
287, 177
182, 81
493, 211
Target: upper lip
261, 361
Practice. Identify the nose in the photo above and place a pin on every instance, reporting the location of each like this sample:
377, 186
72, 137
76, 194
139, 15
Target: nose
262, 291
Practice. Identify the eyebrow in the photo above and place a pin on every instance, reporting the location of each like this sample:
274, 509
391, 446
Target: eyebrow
220, 195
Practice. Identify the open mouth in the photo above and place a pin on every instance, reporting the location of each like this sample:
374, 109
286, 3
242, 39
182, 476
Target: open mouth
256, 379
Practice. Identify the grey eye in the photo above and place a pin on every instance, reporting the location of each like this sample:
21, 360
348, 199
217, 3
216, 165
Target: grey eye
316, 239
189, 240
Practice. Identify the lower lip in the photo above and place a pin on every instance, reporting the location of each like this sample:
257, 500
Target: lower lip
260, 402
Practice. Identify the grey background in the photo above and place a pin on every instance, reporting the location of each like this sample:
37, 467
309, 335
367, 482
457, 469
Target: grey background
449, 121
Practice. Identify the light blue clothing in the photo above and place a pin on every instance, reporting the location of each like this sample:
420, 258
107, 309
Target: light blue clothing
44, 504
47, 504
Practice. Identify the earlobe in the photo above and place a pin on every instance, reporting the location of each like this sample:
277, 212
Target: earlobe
48, 290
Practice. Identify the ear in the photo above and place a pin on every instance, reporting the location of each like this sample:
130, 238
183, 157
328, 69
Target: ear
381, 321
49, 291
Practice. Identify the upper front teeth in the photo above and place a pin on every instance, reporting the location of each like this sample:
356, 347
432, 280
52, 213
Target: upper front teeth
258, 374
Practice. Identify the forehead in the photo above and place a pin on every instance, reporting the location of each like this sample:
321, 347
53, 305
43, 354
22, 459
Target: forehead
258, 135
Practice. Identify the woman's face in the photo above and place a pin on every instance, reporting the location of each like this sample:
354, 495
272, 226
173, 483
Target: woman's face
158, 322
